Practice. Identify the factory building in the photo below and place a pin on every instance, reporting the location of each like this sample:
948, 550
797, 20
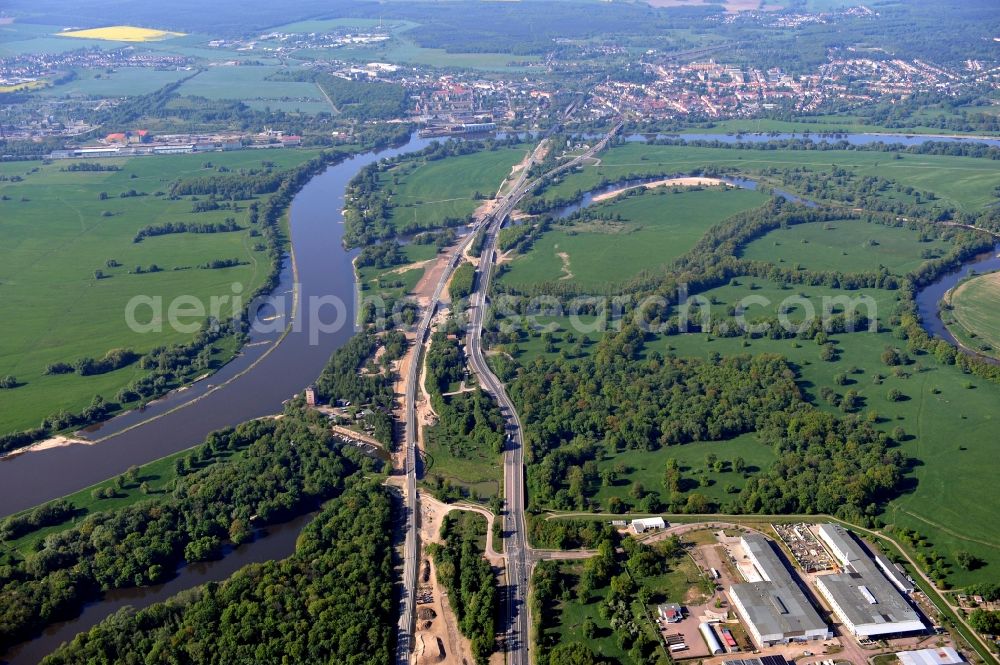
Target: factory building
862, 597
645, 524
773, 607
937, 656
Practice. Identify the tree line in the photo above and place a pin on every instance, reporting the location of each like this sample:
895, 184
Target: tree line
168, 228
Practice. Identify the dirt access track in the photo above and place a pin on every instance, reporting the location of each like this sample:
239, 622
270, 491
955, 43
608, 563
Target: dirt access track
437, 638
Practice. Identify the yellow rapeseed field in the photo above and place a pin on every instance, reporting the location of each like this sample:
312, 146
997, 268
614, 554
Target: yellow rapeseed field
121, 33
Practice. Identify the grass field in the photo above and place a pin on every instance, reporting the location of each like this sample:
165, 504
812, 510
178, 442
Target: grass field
386, 283
655, 228
646, 467
425, 192
49, 45
250, 84
404, 51
976, 309
120, 83
844, 245
299, 106
965, 182
400, 48
122, 33
56, 236
462, 463
30, 85
326, 25
951, 433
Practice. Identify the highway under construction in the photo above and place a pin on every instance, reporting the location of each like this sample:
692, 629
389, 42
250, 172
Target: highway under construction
517, 552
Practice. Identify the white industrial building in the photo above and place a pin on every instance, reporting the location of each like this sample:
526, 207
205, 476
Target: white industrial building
862, 597
939, 656
774, 608
896, 574
648, 524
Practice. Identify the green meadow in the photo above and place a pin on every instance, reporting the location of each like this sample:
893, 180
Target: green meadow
18, 38
975, 312
386, 283
845, 246
249, 83
648, 231
401, 50
119, 83
425, 192
967, 183
468, 466
948, 419
328, 25
647, 467
57, 233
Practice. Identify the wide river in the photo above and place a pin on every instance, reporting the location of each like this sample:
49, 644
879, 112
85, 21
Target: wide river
271, 368
282, 369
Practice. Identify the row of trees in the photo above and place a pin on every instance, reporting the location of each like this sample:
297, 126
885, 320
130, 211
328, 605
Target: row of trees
229, 225
112, 360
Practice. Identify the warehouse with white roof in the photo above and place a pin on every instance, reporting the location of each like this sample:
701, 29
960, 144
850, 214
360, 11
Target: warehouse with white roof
936, 656
774, 608
861, 596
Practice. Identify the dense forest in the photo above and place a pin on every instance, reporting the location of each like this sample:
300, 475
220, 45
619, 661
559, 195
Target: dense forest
278, 469
331, 602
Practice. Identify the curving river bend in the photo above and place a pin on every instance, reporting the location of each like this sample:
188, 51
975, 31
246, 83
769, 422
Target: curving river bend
185, 417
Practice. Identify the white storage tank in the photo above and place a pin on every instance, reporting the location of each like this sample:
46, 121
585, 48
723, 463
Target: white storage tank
710, 639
